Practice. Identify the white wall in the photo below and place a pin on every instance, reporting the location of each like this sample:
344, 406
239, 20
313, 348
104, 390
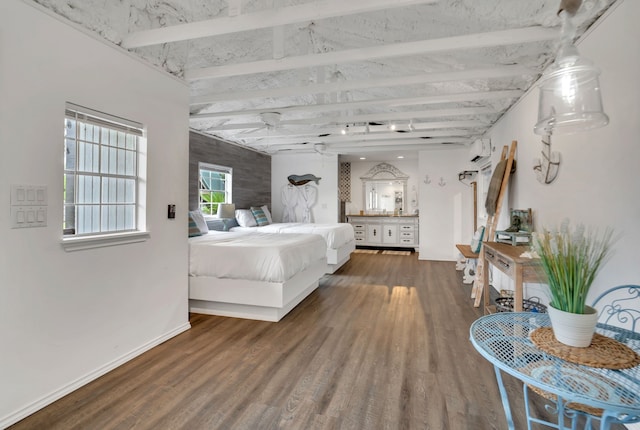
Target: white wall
598, 182
360, 168
446, 204
326, 208
67, 317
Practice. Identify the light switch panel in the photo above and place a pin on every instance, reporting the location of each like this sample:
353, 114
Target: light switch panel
28, 216
35, 195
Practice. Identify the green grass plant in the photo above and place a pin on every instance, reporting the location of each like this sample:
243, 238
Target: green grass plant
571, 261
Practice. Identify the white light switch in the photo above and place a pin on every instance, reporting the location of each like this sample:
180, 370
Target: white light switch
29, 195
28, 206
28, 216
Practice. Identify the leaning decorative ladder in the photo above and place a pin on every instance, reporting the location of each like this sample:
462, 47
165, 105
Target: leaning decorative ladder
492, 222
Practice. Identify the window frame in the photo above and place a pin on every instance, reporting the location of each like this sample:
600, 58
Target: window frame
214, 168
131, 222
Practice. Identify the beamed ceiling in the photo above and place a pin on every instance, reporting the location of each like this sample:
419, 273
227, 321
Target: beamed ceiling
361, 77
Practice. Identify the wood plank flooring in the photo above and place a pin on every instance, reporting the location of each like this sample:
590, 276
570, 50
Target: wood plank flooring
381, 344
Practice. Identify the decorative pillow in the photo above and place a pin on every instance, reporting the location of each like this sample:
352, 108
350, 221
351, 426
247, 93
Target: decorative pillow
259, 215
245, 218
265, 209
197, 224
215, 224
476, 242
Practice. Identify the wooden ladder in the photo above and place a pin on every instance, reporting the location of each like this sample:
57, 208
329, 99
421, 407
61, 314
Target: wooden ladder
492, 222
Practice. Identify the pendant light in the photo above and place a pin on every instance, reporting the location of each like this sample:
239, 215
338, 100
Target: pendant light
570, 99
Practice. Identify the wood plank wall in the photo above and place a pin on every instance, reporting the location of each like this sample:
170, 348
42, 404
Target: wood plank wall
251, 170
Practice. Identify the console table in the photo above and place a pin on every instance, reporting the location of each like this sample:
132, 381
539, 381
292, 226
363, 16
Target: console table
507, 258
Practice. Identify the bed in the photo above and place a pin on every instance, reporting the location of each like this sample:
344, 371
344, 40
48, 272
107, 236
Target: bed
253, 275
339, 238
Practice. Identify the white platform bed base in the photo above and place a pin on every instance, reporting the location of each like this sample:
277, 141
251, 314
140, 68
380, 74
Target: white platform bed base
240, 298
337, 257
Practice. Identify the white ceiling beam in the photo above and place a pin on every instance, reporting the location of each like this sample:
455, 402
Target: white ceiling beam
382, 117
422, 47
408, 142
285, 133
320, 88
444, 98
263, 19
390, 116
366, 149
413, 147
371, 137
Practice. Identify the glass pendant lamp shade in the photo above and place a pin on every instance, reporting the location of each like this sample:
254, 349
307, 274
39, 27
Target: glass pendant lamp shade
570, 99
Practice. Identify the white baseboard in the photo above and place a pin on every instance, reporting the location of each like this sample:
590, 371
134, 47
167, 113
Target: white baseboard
83, 380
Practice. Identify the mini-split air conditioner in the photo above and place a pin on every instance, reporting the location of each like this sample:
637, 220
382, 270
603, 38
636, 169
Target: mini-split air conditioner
480, 149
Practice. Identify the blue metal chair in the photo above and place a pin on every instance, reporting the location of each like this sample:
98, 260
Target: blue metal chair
619, 307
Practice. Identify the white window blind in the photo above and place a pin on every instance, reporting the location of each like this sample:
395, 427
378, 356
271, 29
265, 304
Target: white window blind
101, 182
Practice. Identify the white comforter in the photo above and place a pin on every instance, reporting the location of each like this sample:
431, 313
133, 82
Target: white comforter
253, 256
335, 235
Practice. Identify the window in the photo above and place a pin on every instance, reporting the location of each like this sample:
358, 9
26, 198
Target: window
214, 188
101, 174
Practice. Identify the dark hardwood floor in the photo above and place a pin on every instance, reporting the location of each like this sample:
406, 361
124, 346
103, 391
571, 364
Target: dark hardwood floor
381, 344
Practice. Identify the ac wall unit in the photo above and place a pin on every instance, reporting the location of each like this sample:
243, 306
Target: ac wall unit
480, 149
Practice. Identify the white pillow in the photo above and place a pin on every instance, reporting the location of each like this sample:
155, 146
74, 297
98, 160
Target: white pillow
265, 209
197, 224
245, 218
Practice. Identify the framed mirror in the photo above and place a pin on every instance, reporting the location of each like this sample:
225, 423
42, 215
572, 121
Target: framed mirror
384, 190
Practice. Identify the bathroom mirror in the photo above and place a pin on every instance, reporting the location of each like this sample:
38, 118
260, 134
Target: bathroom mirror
384, 190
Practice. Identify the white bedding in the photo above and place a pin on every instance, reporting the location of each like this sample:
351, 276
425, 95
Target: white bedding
335, 235
253, 256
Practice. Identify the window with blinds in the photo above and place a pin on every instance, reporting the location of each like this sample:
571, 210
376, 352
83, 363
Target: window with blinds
214, 188
101, 181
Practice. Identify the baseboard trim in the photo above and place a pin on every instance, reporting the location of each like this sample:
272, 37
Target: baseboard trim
84, 380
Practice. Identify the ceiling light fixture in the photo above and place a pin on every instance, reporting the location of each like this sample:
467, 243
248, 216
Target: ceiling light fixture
392, 126
570, 98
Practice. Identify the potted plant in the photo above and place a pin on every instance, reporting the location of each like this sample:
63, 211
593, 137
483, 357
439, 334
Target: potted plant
570, 261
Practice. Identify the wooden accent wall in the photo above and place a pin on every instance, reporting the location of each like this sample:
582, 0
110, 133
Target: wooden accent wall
251, 170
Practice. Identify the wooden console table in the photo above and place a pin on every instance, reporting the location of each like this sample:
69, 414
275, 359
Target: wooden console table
507, 259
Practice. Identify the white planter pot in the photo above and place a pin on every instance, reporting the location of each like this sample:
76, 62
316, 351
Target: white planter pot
573, 329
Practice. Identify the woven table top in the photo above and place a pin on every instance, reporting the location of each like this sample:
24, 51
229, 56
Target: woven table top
603, 352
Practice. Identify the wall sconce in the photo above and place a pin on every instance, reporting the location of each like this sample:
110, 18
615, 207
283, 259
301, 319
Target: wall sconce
570, 99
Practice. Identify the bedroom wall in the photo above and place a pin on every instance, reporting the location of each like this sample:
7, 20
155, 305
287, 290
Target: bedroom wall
326, 208
251, 170
597, 183
446, 204
68, 317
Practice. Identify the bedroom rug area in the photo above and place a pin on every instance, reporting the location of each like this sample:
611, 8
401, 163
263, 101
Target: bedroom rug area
390, 252
366, 251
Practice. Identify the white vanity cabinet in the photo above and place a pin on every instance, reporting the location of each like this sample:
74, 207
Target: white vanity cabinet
374, 234
391, 231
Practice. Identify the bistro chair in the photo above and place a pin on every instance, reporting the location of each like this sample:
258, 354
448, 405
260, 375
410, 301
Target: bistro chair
617, 307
